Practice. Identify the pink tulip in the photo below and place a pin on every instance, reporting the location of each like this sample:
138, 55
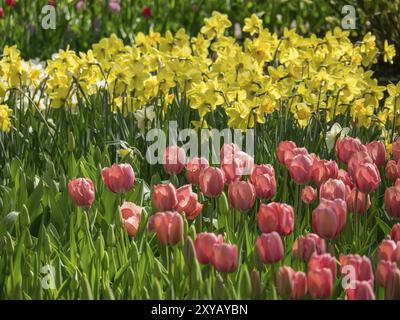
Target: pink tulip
308, 194
305, 246
345, 177
242, 195
269, 247
329, 218
235, 168
356, 160
291, 284
212, 181
164, 196
320, 283
193, 169
322, 170
282, 148
357, 206
362, 267
277, 217
392, 202
290, 154
384, 268
131, 214
174, 159
397, 183
395, 232
263, 179
225, 257
187, 202
392, 289
81, 191
389, 250
300, 169
321, 261
391, 170
204, 244
228, 152
333, 189
362, 291
168, 226
396, 150
377, 151
1, 13
367, 178
119, 178
346, 147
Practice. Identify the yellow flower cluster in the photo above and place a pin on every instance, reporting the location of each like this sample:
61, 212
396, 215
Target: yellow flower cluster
249, 80
5, 114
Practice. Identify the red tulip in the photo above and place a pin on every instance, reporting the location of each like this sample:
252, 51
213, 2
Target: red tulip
212, 181
392, 201
225, 257
305, 246
282, 148
322, 170
300, 169
277, 217
131, 214
168, 226
308, 194
1, 13
321, 261
362, 291
389, 250
392, 289
357, 206
345, 177
187, 202
346, 147
320, 283
333, 189
384, 268
263, 179
119, 178
391, 170
395, 232
164, 196
291, 153
269, 247
81, 191
356, 160
362, 267
377, 151
291, 284
204, 246
146, 12
174, 159
396, 150
11, 3
329, 218
194, 167
367, 178
242, 195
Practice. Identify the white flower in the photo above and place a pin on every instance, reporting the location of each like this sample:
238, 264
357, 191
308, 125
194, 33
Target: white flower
332, 134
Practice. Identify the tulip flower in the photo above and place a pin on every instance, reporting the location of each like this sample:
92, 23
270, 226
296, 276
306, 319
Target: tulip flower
146, 12
362, 267
131, 214
367, 178
193, 169
11, 3
362, 291
389, 250
242, 195
356, 160
300, 169
1, 13
204, 246
308, 194
291, 153
269, 247
391, 170
395, 232
377, 151
320, 283
397, 183
345, 177
164, 196
187, 202
224, 257
392, 202
228, 152
346, 147
263, 179
321, 261
384, 268
392, 289
114, 6
322, 170
235, 168
81, 191
329, 218
277, 217
396, 150
168, 226
305, 246
282, 148
333, 189
357, 206
212, 181
174, 159
80, 5
291, 284
119, 178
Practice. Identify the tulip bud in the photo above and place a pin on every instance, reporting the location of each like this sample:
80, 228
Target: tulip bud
110, 236
256, 285
277, 217
223, 205
164, 196
245, 287
300, 168
391, 170
329, 218
269, 247
189, 252
24, 218
134, 252
131, 216
395, 232
168, 227
308, 194
71, 142
212, 181
242, 195
224, 257
119, 178
81, 191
